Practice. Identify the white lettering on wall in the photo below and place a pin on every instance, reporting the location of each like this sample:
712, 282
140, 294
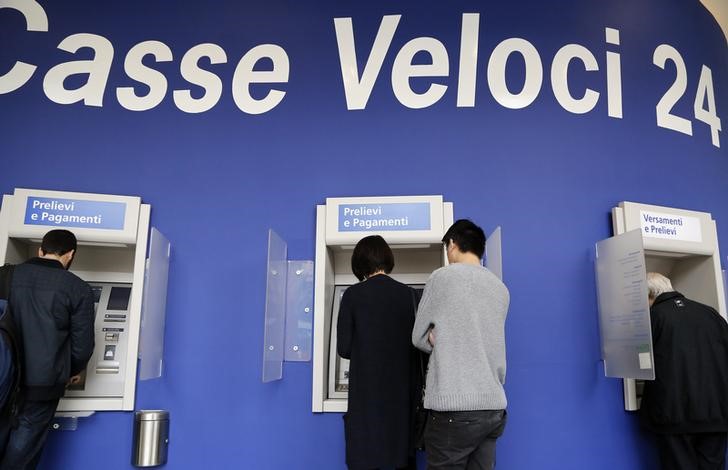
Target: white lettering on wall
662, 54
497, 73
245, 75
97, 69
403, 70
614, 76
35, 20
357, 90
192, 72
704, 108
560, 78
467, 73
253, 89
136, 70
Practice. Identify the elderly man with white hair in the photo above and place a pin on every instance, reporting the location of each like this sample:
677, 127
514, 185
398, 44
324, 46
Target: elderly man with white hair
686, 406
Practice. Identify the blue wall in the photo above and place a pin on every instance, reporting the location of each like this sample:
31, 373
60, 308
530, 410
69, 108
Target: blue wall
218, 180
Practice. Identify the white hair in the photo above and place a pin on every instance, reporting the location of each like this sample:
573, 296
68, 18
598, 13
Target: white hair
658, 284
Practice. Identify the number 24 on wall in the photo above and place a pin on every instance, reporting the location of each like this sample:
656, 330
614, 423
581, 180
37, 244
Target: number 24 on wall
705, 90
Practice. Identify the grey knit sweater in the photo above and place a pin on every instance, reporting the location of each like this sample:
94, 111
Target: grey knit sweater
466, 305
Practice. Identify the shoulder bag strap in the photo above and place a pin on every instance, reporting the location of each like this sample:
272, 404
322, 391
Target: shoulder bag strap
420, 355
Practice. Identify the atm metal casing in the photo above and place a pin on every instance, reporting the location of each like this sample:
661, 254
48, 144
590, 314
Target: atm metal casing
693, 266
106, 259
417, 253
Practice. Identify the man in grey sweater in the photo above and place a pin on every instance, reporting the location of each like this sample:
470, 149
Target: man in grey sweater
460, 322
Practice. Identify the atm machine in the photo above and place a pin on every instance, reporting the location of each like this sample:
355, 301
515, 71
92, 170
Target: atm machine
413, 227
680, 244
112, 233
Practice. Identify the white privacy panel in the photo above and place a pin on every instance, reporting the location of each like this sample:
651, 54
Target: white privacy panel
154, 310
624, 313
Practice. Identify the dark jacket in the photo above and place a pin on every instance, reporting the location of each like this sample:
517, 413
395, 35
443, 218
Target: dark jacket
374, 331
690, 390
54, 316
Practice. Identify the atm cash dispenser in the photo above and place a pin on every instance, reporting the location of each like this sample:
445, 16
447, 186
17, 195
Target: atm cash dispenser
680, 244
413, 227
112, 233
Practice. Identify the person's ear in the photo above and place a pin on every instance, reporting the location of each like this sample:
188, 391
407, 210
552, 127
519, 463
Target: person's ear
68, 258
40, 252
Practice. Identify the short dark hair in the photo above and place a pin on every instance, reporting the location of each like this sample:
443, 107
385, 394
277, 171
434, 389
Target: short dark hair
467, 236
370, 255
58, 242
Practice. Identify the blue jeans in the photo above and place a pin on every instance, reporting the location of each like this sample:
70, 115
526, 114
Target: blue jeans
24, 444
463, 440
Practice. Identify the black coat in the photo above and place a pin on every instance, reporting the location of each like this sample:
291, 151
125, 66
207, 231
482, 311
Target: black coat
375, 332
690, 390
53, 312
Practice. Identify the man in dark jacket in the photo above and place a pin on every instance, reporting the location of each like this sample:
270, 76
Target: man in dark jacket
54, 315
686, 406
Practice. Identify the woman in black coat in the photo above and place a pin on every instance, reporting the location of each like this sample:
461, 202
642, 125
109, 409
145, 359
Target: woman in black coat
374, 332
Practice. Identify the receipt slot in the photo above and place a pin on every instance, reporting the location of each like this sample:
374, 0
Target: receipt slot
413, 227
680, 244
112, 233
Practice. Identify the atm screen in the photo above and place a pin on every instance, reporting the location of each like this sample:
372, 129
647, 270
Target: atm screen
119, 298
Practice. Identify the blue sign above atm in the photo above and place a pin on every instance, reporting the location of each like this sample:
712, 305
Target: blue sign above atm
76, 213
384, 217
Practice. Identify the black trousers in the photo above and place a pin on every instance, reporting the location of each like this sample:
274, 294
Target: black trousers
20, 448
456, 440
701, 451
411, 465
